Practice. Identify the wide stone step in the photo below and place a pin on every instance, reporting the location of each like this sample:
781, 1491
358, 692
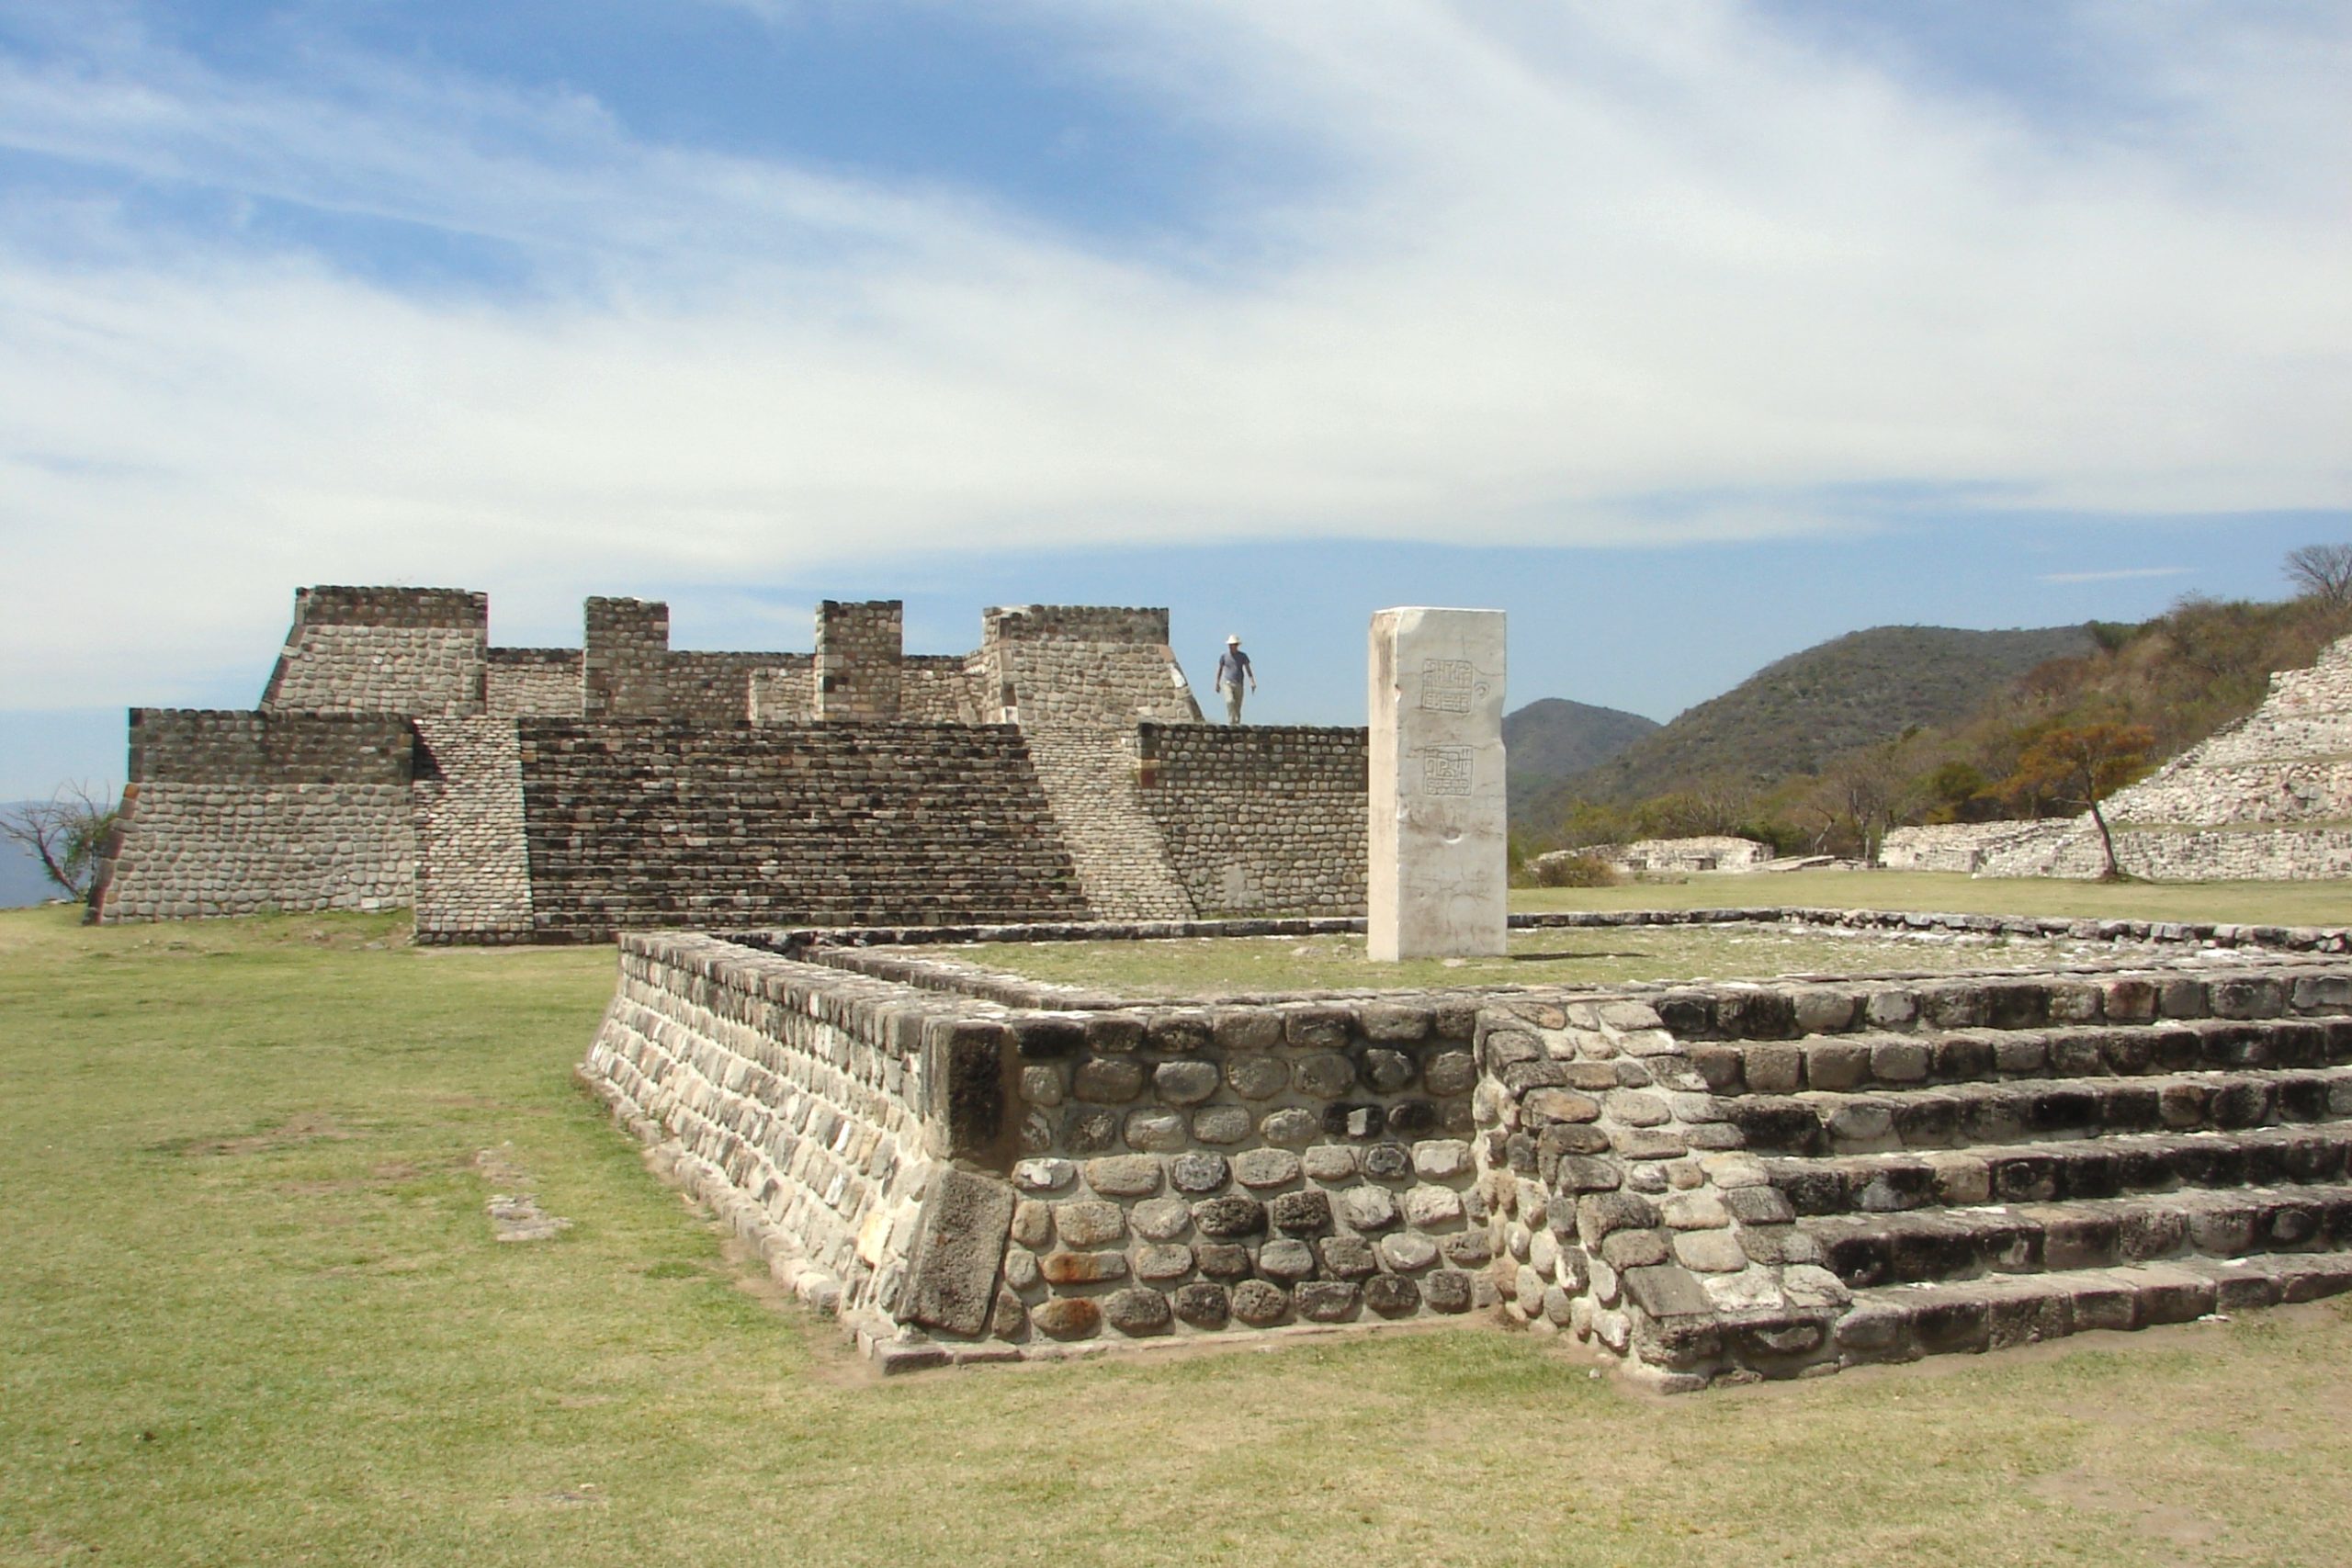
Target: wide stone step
2055, 1172
2037, 1112
1845, 1062
1870, 1250
1902, 1322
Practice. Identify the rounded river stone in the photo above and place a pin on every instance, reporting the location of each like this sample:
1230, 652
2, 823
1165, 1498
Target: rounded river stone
1197, 1173
1227, 1217
1326, 1301
1071, 1317
1137, 1311
1202, 1305
1259, 1303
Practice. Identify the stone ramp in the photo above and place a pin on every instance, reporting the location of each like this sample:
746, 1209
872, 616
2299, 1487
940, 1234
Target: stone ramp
1089, 775
1780, 1180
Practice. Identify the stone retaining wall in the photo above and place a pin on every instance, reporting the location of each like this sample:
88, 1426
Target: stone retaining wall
969, 1181
1260, 817
237, 813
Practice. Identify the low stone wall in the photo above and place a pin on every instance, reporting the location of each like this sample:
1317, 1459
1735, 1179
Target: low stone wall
965, 1180
1968, 846
2196, 855
1716, 853
805, 1107
1260, 817
1184, 1170
972, 1166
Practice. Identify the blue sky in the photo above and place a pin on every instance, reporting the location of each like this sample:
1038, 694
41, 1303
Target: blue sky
1690, 333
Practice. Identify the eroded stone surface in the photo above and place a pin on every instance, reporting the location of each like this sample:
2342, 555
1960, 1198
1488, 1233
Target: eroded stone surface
1437, 869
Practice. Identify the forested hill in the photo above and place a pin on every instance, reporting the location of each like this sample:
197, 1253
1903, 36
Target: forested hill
1552, 738
1792, 716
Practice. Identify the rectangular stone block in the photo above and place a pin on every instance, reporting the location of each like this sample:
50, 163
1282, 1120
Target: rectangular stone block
1439, 819
958, 1247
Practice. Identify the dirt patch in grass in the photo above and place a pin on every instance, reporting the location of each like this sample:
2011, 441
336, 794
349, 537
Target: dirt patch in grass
309, 1128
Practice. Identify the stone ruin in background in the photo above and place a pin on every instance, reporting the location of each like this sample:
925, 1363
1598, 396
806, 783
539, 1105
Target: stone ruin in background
1060, 771
2267, 798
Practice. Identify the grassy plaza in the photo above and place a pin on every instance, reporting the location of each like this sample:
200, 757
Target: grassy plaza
253, 1312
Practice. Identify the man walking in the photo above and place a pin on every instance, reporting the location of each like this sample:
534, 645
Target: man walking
1231, 670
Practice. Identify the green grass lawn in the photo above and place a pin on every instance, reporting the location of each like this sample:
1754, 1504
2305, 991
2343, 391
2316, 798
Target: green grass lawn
1213, 967
2244, 903
251, 1312
1202, 967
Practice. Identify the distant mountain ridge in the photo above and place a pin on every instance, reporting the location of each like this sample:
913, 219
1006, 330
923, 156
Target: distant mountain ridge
1795, 714
1553, 737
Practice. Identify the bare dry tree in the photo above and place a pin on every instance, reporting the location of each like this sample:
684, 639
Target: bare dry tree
2082, 765
66, 833
2322, 572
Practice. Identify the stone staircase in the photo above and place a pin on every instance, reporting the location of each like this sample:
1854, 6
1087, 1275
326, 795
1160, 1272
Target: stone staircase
1089, 775
1980, 1185
1855, 1172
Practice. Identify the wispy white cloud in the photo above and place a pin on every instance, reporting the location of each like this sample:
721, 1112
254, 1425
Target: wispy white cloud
1568, 270
2120, 574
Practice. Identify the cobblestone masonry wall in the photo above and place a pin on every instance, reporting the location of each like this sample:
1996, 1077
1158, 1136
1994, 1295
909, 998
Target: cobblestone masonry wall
937, 689
860, 655
1105, 1172
797, 1110
657, 823
382, 650
1090, 778
629, 671
1122, 1175
625, 657
782, 692
235, 813
540, 681
1187, 1171
474, 873
1261, 816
